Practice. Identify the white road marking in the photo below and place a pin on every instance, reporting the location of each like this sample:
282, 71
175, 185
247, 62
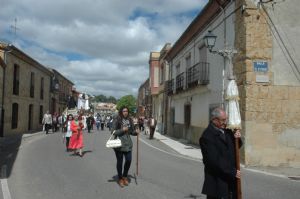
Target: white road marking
4, 184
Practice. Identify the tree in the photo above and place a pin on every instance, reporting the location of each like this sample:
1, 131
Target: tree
112, 99
103, 98
128, 101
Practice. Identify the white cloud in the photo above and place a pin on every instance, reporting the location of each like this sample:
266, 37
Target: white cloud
110, 40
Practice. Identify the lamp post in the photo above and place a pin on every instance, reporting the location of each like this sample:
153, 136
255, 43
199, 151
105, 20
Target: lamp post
228, 53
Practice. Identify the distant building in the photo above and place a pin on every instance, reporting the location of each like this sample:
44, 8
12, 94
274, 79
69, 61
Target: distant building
144, 100
104, 109
61, 91
160, 98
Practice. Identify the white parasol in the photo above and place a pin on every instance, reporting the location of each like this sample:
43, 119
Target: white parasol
232, 106
234, 122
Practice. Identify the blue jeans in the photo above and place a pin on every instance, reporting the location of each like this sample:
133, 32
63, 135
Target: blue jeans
128, 157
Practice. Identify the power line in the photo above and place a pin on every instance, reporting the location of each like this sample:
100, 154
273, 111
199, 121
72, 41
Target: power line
273, 27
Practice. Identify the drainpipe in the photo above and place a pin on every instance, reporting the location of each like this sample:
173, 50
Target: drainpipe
224, 59
2, 100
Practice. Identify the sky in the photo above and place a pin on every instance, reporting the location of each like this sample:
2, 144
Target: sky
102, 46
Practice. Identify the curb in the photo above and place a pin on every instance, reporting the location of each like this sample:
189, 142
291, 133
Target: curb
161, 138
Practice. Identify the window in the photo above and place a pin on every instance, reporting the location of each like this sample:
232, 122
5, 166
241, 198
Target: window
187, 115
30, 116
42, 89
177, 69
156, 77
161, 74
32, 84
16, 80
15, 115
188, 61
202, 54
41, 114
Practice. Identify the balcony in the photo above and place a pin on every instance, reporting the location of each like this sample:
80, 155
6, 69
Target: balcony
180, 82
169, 86
198, 74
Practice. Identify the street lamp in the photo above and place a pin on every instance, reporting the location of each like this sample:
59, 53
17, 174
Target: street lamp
210, 40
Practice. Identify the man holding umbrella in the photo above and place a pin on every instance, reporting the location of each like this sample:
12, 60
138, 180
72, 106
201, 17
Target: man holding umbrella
218, 149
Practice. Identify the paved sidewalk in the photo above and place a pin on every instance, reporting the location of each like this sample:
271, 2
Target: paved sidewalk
184, 149
195, 153
10, 140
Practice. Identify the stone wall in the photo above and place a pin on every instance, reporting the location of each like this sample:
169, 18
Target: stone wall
24, 99
270, 113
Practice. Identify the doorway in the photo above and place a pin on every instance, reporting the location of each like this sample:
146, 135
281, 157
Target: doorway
30, 115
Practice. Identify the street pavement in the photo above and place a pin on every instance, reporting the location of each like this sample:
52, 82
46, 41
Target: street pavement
43, 169
36, 166
194, 152
179, 146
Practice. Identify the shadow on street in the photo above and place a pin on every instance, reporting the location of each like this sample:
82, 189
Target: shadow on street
9, 148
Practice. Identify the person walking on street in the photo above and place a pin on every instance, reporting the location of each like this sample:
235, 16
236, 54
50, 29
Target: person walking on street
218, 150
98, 122
54, 122
152, 125
68, 134
61, 122
47, 121
102, 121
123, 128
141, 124
76, 140
146, 126
89, 123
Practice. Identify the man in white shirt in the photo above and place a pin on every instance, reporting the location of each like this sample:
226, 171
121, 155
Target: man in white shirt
47, 121
152, 125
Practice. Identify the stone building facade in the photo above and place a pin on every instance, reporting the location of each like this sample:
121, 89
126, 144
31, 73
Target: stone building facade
61, 90
144, 100
266, 67
270, 108
25, 91
154, 82
160, 100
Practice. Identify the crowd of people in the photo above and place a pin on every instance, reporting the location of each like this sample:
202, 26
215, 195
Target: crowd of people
122, 125
217, 145
73, 126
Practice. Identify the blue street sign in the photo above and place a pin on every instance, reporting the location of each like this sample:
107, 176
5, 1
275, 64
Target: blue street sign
260, 66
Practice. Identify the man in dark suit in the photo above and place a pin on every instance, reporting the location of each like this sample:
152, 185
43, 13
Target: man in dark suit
218, 151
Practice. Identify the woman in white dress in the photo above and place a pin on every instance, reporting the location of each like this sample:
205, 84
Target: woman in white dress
69, 131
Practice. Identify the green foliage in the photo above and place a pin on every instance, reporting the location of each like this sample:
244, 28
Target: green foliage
129, 101
103, 98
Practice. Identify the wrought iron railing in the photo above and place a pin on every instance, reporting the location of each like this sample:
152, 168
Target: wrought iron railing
180, 82
198, 74
169, 86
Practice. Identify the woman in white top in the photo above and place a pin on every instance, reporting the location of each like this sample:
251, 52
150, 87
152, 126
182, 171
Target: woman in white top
69, 132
